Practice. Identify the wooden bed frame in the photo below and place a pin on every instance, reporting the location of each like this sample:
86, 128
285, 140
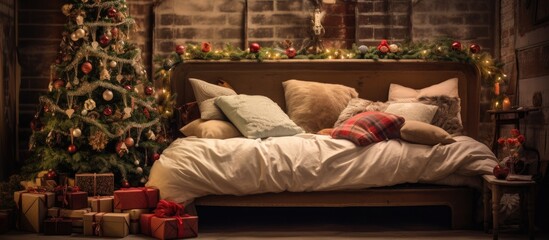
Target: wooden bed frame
371, 79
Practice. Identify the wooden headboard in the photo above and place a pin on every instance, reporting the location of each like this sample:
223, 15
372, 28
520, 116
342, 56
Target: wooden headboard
371, 79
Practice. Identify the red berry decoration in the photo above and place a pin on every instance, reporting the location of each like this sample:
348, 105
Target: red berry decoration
112, 12
86, 67
474, 48
180, 49
383, 47
206, 47
104, 40
107, 111
71, 148
456, 46
149, 90
125, 183
291, 52
254, 47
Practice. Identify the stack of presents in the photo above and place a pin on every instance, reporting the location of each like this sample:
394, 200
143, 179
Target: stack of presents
92, 207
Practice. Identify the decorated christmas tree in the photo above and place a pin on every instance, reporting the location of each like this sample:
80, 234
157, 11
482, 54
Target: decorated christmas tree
100, 112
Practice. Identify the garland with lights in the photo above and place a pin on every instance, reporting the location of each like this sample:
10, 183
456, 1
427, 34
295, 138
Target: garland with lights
100, 113
440, 50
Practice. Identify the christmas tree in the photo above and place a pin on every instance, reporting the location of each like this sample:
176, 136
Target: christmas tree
100, 112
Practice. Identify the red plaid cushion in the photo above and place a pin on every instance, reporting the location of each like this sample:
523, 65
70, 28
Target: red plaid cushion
369, 127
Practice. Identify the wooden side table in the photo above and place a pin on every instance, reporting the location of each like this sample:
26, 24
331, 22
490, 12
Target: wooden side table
526, 191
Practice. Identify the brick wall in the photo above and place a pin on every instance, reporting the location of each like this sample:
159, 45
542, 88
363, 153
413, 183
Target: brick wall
382, 19
8, 87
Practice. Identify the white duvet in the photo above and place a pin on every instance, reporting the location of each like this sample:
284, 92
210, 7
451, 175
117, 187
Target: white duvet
194, 167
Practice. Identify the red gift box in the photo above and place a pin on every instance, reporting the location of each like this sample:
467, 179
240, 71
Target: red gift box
57, 226
174, 228
135, 198
145, 222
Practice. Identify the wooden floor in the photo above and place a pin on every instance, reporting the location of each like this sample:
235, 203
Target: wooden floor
322, 223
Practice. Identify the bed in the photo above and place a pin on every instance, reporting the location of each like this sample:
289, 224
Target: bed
313, 170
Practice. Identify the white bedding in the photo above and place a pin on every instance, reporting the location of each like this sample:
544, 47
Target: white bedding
194, 167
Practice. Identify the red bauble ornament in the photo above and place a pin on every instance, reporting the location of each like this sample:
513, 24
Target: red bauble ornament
121, 148
129, 141
156, 156
125, 184
112, 12
59, 83
456, 46
501, 172
383, 47
149, 90
146, 112
72, 148
128, 87
51, 175
291, 52
474, 48
104, 40
107, 111
86, 67
180, 49
254, 47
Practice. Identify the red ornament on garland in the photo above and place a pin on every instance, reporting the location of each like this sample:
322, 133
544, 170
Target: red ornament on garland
125, 184
104, 40
180, 49
149, 90
146, 112
456, 46
129, 141
112, 12
383, 47
86, 67
291, 52
59, 83
72, 148
206, 47
155, 156
107, 111
254, 47
474, 48
128, 87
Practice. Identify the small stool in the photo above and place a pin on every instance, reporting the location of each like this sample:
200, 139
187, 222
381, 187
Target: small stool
526, 190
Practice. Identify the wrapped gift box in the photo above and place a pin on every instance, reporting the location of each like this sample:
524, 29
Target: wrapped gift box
101, 203
107, 224
32, 209
75, 216
95, 184
170, 228
135, 198
76, 200
145, 223
135, 216
57, 226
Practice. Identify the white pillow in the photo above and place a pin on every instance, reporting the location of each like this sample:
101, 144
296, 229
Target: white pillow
257, 116
413, 111
203, 91
446, 88
210, 129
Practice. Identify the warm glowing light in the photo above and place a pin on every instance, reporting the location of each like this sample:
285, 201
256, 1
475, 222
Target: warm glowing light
163, 90
424, 52
504, 75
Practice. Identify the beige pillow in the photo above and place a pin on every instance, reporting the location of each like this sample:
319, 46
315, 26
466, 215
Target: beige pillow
210, 129
446, 88
413, 111
424, 133
204, 92
314, 106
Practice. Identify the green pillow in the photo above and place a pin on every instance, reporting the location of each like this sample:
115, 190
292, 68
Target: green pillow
257, 116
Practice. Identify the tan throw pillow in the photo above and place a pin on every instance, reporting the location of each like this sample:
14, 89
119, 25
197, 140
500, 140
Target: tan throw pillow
314, 106
424, 133
446, 88
413, 111
210, 129
204, 92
